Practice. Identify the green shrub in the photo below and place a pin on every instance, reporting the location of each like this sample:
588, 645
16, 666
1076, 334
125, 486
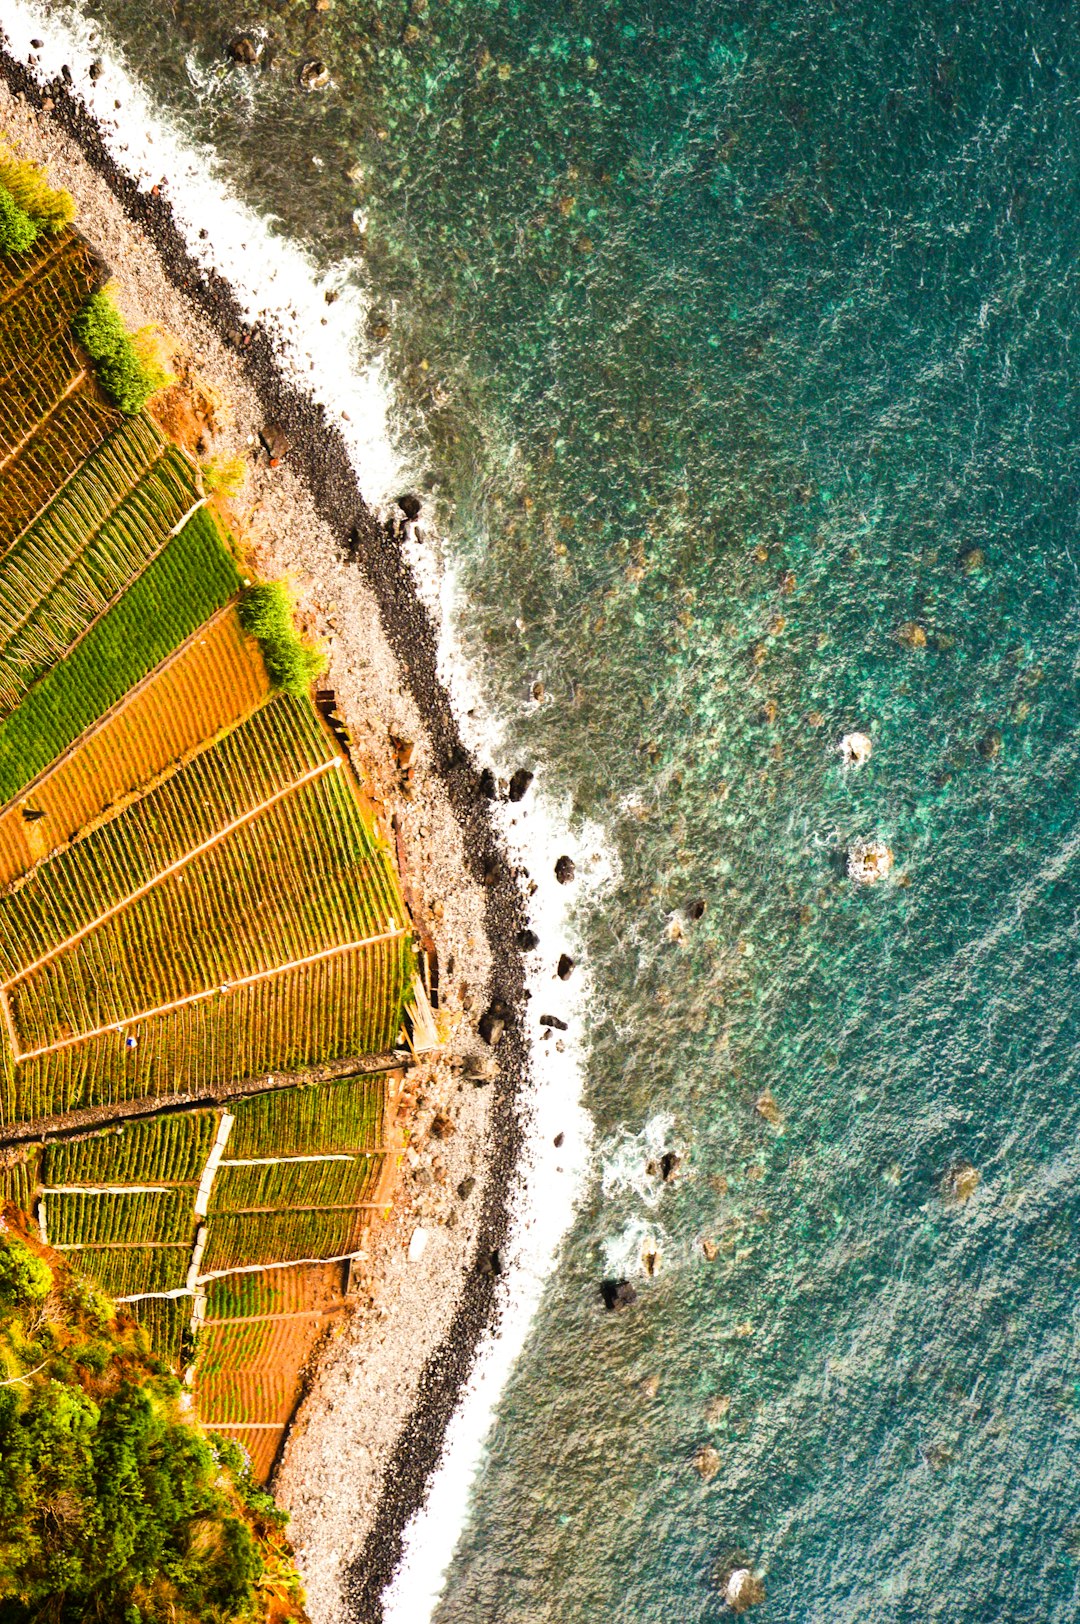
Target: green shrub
17, 230
226, 475
22, 1275
292, 664
126, 379
50, 207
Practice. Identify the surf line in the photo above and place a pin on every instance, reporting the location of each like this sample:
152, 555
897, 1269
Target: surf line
277, 286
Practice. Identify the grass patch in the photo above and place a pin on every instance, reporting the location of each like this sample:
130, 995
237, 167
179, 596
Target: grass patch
126, 378
292, 664
50, 206
224, 476
18, 232
183, 586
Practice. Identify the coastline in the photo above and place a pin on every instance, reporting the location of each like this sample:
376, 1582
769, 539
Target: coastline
421, 1331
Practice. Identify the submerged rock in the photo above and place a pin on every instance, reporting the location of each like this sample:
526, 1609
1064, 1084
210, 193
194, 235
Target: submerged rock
991, 744
766, 1107
972, 560
959, 1184
911, 634
617, 1294
707, 1462
670, 1162
696, 909
314, 75
856, 749
743, 1590
868, 861
244, 49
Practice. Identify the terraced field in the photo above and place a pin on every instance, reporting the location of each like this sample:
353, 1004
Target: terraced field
203, 946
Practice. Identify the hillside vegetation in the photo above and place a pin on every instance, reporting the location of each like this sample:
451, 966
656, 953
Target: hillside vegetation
114, 1504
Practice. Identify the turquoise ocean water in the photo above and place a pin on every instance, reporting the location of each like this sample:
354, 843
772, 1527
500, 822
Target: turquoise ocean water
739, 338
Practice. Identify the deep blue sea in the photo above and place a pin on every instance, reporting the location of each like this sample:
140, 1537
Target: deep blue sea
741, 343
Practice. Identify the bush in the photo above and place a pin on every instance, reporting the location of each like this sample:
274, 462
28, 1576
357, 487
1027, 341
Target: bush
226, 475
292, 664
22, 1275
125, 378
47, 205
17, 231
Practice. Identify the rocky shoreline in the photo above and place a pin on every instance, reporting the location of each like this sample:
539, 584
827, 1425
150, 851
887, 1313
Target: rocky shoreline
356, 558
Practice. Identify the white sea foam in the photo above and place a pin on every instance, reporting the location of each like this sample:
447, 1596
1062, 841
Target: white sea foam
625, 1159
276, 283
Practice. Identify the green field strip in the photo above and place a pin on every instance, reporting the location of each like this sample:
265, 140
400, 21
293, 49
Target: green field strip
194, 576
275, 1293
28, 484
165, 1149
286, 886
41, 292
166, 1321
230, 1347
127, 1271
51, 602
88, 497
345, 1006
296, 1185
343, 1115
31, 390
164, 1218
280, 1237
274, 747
18, 1183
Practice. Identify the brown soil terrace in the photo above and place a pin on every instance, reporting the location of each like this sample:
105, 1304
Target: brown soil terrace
380, 1345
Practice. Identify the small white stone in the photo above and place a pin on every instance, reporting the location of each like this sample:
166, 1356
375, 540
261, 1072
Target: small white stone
418, 1245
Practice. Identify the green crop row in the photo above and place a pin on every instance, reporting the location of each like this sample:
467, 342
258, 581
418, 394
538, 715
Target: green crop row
236, 1239
78, 425
18, 1182
275, 1291
296, 1184
287, 885
39, 295
166, 1321
31, 390
344, 1006
189, 580
127, 1271
169, 1149
159, 1216
344, 1115
270, 750
58, 597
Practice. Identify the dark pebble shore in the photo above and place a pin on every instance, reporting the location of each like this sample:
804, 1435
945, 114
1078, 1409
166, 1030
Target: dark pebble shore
319, 454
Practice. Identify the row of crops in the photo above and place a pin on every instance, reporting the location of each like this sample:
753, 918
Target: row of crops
65, 439
276, 890
216, 679
53, 594
193, 576
32, 389
40, 293
347, 1005
277, 746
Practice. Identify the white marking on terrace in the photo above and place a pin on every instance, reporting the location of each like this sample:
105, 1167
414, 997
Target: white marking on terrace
109, 1189
42, 1226
196, 1258
286, 1263
173, 868
213, 1162
209, 992
279, 1161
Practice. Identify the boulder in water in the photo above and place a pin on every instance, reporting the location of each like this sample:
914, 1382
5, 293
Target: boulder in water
743, 1590
244, 49
617, 1294
911, 634
527, 941
991, 744
959, 1184
314, 75
868, 861
565, 870
856, 749
565, 967
519, 783
766, 1107
707, 1462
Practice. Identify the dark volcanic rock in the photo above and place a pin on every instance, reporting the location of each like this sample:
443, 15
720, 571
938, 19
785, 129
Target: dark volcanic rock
564, 870
696, 909
275, 441
314, 75
410, 505
520, 783
488, 787
617, 1294
527, 940
553, 1020
466, 1187
669, 1165
492, 1027
565, 967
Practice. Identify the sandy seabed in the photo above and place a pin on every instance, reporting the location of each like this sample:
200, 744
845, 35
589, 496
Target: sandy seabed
382, 1391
